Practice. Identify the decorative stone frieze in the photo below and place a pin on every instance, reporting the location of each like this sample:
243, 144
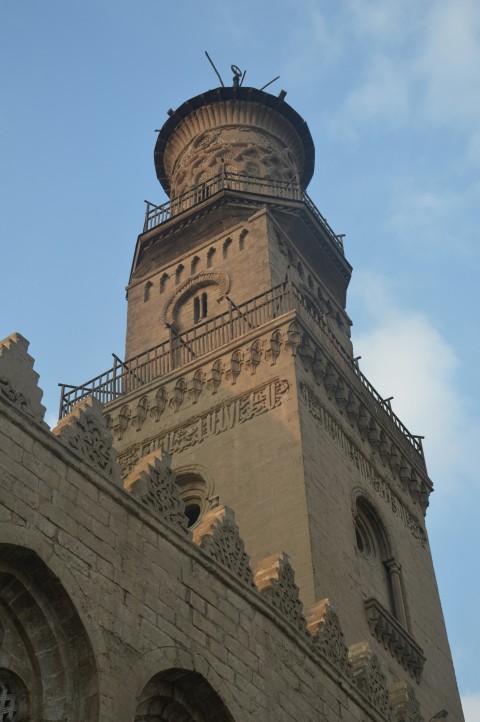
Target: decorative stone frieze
345, 392
18, 380
275, 580
223, 417
218, 535
85, 432
153, 484
324, 626
369, 677
404, 703
389, 632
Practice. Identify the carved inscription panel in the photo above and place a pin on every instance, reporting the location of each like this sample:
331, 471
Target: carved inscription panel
224, 416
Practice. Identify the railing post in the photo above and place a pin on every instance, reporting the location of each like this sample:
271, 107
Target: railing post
230, 319
114, 379
62, 394
289, 290
147, 214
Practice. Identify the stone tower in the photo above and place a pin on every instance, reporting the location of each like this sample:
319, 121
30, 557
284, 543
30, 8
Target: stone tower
239, 364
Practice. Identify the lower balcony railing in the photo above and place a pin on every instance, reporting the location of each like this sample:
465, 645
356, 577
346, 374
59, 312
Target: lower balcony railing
180, 349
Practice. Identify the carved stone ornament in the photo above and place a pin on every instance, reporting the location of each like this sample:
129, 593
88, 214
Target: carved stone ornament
219, 279
369, 677
324, 626
18, 380
389, 632
404, 703
275, 580
218, 535
8, 703
85, 432
153, 484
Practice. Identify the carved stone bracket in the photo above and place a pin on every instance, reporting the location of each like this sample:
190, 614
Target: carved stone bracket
218, 535
324, 626
369, 677
405, 705
401, 645
153, 484
18, 380
275, 580
85, 432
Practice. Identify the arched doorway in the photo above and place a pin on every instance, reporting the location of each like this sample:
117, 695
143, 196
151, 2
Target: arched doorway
48, 669
179, 695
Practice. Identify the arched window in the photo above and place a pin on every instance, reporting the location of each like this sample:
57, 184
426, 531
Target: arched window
300, 270
226, 247
210, 255
163, 282
200, 307
193, 491
380, 573
178, 273
242, 239
146, 291
194, 265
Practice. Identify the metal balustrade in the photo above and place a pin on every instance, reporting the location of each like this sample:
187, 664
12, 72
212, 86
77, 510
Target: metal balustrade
155, 215
212, 334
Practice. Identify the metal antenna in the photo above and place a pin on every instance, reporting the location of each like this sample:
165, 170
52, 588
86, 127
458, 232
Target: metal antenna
216, 71
270, 82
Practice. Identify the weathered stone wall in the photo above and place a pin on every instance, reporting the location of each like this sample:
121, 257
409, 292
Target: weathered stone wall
132, 603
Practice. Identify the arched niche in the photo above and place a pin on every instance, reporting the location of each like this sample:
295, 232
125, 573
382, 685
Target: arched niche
46, 659
218, 280
180, 695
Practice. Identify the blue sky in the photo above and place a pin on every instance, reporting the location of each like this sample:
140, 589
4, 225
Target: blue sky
391, 93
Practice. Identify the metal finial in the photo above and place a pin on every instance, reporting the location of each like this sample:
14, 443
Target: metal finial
237, 74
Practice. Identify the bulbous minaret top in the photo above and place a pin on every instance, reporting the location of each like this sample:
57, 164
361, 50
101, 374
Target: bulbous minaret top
243, 131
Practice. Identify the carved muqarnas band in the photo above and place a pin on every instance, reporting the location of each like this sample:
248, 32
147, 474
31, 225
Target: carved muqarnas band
351, 451
224, 416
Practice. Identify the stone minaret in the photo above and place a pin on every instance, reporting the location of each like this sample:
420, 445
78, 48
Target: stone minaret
240, 365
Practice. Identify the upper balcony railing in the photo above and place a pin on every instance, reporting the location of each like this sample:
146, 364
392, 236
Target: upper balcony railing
236, 322
287, 190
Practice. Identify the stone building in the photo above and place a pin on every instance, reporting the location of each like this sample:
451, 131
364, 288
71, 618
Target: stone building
229, 524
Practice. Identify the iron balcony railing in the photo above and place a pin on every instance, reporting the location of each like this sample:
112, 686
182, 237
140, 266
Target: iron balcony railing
178, 350
287, 190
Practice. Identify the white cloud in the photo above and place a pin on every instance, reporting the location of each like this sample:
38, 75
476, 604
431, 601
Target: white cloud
383, 95
404, 355
51, 420
471, 707
425, 215
419, 65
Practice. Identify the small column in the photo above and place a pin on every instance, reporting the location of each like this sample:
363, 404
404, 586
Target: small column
394, 573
